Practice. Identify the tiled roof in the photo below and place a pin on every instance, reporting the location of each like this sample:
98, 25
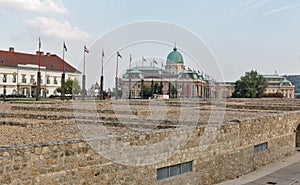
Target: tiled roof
51, 62
273, 76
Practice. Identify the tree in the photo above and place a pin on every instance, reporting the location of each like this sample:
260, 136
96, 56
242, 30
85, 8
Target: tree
173, 91
252, 85
147, 91
71, 86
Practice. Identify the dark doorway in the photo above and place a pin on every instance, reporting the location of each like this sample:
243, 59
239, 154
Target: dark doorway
298, 136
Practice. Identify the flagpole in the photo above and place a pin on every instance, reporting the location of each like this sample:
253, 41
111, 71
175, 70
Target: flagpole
152, 84
129, 77
63, 74
161, 83
142, 81
130, 61
38, 87
83, 76
142, 63
101, 79
116, 79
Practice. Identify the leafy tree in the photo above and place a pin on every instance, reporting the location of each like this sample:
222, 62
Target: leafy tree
252, 85
147, 91
71, 86
157, 89
173, 91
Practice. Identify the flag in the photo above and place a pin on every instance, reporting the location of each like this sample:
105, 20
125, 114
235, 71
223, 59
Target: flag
65, 47
154, 61
102, 52
40, 43
144, 60
86, 49
119, 55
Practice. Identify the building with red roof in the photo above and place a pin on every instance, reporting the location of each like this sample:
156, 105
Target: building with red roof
18, 72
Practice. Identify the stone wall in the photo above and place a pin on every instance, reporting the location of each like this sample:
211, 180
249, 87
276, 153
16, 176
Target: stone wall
229, 155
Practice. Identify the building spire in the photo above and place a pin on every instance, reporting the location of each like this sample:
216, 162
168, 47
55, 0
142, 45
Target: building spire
174, 46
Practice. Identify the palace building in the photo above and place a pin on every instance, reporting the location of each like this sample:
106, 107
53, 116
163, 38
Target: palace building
18, 73
175, 80
279, 84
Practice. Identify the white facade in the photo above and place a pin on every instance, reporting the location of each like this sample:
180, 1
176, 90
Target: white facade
21, 80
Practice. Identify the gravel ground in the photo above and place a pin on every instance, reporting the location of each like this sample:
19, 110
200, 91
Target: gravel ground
27, 122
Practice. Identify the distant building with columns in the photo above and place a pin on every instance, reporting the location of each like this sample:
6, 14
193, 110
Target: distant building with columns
175, 80
276, 85
280, 84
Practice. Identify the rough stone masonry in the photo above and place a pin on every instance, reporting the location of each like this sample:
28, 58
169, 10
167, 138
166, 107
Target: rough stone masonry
44, 143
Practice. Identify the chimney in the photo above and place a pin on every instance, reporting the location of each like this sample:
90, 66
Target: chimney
11, 49
48, 54
41, 53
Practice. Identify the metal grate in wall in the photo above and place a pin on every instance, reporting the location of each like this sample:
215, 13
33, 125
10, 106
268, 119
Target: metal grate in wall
174, 170
261, 147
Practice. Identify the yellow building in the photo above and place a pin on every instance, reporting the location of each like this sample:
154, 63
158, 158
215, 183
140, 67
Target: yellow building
279, 84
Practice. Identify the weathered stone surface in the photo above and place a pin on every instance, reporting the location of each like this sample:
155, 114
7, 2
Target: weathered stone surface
41, 144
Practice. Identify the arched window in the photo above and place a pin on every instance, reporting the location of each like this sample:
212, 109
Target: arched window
298, 136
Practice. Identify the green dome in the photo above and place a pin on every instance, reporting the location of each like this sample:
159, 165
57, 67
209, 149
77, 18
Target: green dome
174, 57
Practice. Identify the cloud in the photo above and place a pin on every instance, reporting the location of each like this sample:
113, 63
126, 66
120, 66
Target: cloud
251, 5
53, 28
280, 9
258, 4
36, 6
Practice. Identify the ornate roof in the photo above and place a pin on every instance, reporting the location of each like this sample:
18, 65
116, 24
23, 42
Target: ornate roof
174, 57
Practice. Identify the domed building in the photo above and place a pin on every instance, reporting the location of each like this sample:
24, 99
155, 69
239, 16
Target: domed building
175, 64
175, 81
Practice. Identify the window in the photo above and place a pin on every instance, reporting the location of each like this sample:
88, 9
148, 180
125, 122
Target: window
4, 78
132, 93
32, 79
23, 78
48, 80
14, 80
55, 80
174, 170
261, 147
